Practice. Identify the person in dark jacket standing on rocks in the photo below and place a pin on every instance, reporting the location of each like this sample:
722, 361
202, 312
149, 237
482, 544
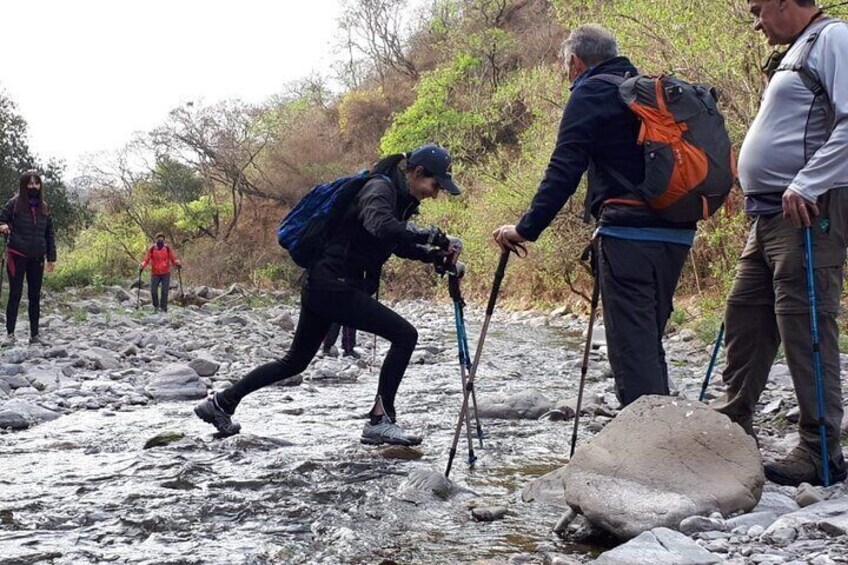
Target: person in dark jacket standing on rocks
339, 286
640, 255
160, 256
25, 220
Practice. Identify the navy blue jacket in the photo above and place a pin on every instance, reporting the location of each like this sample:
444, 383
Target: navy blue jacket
597, 132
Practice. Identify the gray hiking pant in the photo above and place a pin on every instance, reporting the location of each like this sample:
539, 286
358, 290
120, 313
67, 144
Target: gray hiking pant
637, 280
768, 305
157, 281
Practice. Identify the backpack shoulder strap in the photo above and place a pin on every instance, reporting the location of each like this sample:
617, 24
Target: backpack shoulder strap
800, 65
610, 78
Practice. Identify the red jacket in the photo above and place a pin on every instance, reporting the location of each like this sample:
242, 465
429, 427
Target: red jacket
161, 260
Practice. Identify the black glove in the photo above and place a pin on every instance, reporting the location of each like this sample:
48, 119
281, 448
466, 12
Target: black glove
439, 239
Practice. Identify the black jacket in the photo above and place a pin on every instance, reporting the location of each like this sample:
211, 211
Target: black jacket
374, 227
597, 133
32, 233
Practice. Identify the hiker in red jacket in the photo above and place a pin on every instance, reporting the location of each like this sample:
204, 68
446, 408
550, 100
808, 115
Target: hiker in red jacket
161, 257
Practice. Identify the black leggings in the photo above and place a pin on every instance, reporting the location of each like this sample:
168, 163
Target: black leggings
32, 268
320, 308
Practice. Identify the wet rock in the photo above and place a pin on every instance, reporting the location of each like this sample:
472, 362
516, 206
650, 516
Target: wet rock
489, 513
660, 461
31, 412
422, 357
204, 366
558, 415
163, 439
528, 405
422, 485
548, 489
660, 546
400, 452
176, 382
11, 420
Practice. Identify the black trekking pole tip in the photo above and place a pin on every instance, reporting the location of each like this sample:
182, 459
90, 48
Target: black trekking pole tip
451, 455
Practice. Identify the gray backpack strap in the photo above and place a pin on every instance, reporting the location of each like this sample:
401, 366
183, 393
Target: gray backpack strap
800, 65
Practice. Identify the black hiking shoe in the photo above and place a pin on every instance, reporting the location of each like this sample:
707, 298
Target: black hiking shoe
209, 411
803, 465
353, 354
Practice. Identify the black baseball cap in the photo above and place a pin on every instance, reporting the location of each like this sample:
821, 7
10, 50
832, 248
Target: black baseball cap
436, 161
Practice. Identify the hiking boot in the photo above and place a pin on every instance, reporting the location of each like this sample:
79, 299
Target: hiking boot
352, 354
209, 411
386, 431
36, 340
10, 340
803, 466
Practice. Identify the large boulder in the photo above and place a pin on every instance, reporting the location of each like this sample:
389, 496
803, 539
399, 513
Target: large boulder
660, 461
176, 382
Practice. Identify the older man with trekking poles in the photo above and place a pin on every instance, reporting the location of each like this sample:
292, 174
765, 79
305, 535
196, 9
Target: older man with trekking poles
639, 254
794, 175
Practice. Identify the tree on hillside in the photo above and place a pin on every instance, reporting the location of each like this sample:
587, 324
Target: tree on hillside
15, 158
375, 30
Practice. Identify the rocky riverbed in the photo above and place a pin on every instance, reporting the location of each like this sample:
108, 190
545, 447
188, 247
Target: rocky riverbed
103, 460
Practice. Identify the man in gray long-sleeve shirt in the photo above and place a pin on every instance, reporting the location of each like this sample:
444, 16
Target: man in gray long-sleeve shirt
794, 173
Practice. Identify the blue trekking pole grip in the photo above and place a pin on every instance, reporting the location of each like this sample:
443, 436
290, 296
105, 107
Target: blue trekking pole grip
817, 364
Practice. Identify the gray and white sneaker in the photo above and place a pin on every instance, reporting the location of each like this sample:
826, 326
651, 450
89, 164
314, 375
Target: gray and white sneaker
10, 340
209, 411
386, 431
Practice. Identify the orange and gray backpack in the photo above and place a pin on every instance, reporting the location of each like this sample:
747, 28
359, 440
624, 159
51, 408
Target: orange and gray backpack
689, 162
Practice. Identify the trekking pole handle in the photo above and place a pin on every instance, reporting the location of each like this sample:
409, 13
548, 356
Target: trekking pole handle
496, 287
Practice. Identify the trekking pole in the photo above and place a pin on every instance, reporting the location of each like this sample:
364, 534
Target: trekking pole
464, 357
138, 291
591, 254
713, 358
817, 364
469, 385
3, 261
180, 278
374, 339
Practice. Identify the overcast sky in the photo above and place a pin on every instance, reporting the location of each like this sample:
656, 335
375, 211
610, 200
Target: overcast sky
86, 74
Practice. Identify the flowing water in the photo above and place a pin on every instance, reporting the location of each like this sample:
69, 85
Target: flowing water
296, 486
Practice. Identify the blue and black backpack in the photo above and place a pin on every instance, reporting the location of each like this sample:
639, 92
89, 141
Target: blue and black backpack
305, 229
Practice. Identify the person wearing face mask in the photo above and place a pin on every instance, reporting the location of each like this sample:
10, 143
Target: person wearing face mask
639, 255
25, 220
160, 256
339, 285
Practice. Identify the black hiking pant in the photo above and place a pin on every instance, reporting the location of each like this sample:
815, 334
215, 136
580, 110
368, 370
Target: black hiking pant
31, 268
638, 279
348, 337
348, 307
157, 282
